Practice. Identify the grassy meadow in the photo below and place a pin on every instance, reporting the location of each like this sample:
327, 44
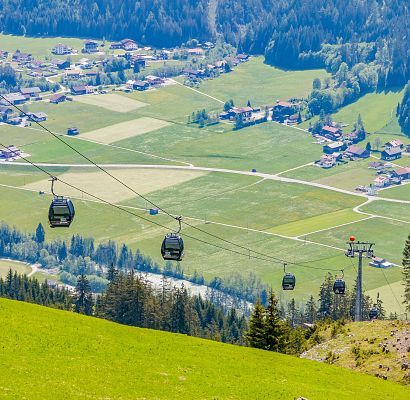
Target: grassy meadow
50, 353
6, 265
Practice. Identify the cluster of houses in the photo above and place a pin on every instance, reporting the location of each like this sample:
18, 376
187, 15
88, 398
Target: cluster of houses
10, 153
386, 176
220, 66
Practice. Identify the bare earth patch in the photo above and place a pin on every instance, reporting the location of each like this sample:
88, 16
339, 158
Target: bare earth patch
100, 184
112, 102
125, 130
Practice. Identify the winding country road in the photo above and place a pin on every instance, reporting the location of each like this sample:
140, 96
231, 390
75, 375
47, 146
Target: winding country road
274, 177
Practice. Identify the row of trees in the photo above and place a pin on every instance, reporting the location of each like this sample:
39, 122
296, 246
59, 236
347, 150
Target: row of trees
82, 256
403, 110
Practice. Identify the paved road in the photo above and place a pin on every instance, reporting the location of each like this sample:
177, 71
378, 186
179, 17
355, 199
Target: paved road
273, 177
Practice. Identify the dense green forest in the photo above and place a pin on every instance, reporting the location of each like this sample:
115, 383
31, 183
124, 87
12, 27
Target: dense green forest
291, 33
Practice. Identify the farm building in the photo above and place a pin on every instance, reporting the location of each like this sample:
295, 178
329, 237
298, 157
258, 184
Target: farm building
356, 136
60, 64
10, 152
379, 262
242, 57
382, 181
193, 73
73, 74
390, 154
140, 85
357, 152
15, 98
5, 113
154, 80
72, 131
393, 144
61, 49
58, 98
78, 90
30, 91
245, 112
125, 44
90, 46
197, 51
37, 117
331, 132
376, 165
283, 107
328, 160
334, 147
402, 173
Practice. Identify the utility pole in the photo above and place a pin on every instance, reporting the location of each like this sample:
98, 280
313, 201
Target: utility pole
360, 248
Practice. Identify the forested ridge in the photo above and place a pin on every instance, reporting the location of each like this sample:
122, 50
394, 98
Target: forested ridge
291, 33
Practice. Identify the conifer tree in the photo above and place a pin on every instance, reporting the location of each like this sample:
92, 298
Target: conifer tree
310, 310
276, 331
406, 273
83, 301
256, 332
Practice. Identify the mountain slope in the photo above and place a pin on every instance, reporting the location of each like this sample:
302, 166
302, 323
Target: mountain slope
47, 354
378, 347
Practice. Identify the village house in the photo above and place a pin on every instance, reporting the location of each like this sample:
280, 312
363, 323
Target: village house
138, 60
379, 262
73, 74
242, 57
382, 182
140, 85
244, 112
402, 173
58, 98
20, 57
90, 46
357, 152
30, 91
208, 45
355, 136
154, 80
392, 153
393, 144
61, 49
5, 113
129, 45
331, 132
60, 64
193, 73
328, 160
10, 152
79, 90
197, 51
37, 116
334, 147
376, 165
15, 98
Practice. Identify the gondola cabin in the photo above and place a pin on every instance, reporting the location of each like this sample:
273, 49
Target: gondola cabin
339, 286
172, 247
288, 281
374, 313
61, 213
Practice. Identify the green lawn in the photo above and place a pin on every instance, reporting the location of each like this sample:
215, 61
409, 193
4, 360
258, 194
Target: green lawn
261, 83
388, 209
376, 109
49, 354
6, 265
401, 192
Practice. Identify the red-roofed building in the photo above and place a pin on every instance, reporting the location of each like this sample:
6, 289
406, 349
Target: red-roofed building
402, 173
331, 132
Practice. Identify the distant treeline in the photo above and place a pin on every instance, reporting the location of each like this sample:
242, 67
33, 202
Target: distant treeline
82, 256
291, 33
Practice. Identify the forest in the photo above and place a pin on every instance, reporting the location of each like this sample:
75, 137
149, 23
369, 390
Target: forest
292, 34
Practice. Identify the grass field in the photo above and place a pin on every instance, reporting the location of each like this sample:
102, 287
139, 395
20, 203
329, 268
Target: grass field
6, 265
392, 210
261, 83
111, 102
392, 295
99, 184
125, 130
401, 192
376, 109
48, 351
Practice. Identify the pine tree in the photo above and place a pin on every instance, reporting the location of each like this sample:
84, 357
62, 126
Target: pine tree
406, 274
40, 234
326, 298
83, 301
276, 331
311, 311
256, 332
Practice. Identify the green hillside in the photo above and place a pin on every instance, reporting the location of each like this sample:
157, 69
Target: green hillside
50, 354
359, 346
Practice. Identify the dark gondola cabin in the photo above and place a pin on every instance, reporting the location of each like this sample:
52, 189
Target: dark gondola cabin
172, 247
339, 286
374, 313
288, 281
61, 213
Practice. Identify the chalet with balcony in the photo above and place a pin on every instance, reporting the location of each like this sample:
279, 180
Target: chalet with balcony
391, 154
